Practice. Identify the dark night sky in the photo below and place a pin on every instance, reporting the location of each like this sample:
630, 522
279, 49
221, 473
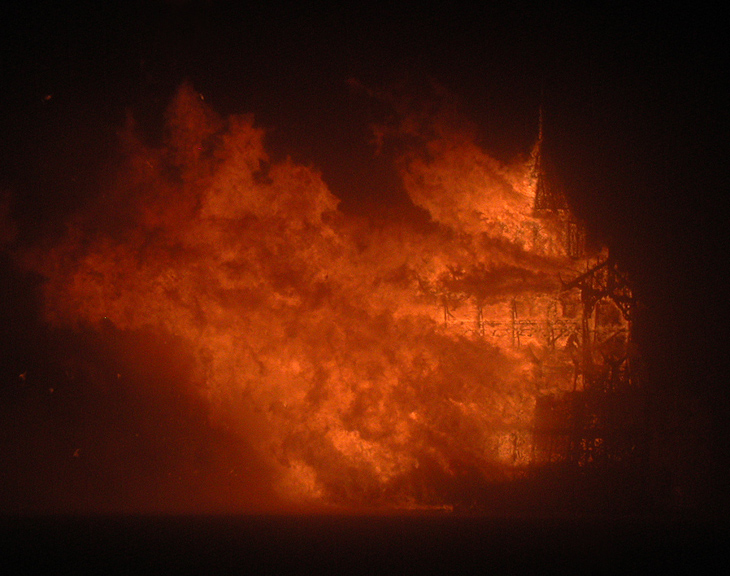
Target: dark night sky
636, 120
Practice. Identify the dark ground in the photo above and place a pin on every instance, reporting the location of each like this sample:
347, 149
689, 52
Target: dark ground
415, 544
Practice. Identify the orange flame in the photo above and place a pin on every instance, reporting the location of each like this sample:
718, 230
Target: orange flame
367, 366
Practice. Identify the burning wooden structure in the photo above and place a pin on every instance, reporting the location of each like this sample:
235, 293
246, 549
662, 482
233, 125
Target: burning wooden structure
364, 365
599, 421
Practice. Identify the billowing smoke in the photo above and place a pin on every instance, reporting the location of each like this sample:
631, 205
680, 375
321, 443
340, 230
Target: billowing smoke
362, 365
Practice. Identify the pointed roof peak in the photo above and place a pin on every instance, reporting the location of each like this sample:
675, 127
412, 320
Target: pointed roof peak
548, 195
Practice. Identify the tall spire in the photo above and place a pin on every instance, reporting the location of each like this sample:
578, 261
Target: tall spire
548, 196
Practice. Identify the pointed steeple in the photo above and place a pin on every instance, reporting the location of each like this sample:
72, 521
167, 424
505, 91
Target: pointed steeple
550, 201
548, 195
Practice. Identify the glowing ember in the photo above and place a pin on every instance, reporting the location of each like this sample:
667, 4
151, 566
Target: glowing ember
367, 366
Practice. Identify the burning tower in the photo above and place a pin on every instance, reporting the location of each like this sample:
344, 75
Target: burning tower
598, 422
363, 366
